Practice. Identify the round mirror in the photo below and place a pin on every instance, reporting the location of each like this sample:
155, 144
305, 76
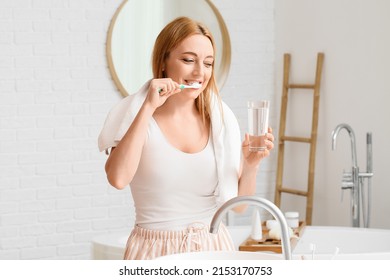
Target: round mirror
136, 25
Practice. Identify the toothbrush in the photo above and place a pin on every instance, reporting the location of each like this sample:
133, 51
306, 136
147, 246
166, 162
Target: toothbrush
336, 252
312, 249
193, 85
183, 86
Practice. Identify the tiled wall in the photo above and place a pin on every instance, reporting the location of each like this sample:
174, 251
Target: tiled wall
55, 91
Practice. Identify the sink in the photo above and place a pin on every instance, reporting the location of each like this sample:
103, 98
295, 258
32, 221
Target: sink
223, 255
112, 246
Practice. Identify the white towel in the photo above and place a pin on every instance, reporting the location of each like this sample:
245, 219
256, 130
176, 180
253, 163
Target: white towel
226, 138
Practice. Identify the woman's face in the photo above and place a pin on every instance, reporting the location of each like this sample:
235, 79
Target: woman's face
191, 62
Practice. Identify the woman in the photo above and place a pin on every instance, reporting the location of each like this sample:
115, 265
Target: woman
179, 149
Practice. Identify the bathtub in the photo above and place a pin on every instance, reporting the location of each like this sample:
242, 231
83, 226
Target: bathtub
327, 242
343, 243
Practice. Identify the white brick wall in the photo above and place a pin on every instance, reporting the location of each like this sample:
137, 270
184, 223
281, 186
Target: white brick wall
55, 91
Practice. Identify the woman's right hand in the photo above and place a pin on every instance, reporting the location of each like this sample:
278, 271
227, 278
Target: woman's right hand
160, 90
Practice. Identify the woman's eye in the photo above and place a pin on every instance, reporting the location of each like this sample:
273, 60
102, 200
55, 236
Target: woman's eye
208, 64
188, 60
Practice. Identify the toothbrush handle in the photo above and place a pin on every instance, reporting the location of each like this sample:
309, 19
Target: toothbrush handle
180, 86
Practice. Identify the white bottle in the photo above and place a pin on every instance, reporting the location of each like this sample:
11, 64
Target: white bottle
292, 219
257, 231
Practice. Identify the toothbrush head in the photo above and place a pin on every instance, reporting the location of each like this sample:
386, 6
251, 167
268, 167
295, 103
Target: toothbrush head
195, 85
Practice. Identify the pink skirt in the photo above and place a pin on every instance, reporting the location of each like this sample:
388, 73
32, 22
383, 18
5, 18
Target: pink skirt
146, 244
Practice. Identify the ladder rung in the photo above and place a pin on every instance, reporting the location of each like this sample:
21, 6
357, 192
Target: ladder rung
295, 139
293, 191
307, 86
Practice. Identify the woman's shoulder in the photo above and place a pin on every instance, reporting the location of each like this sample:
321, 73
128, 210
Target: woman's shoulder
120, 117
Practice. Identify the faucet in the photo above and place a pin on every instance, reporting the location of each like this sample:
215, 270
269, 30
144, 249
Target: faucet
336, 132
354, 180
350, 180
258, 201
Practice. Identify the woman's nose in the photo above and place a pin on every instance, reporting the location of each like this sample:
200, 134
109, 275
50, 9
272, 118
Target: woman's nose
198, 69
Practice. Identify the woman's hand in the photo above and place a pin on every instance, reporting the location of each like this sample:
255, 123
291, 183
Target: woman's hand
160, 90
249, 166
252, 159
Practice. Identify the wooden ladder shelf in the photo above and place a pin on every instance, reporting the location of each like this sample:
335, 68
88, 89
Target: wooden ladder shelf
311, 141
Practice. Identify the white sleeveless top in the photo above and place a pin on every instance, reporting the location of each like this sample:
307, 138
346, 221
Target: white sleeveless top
225, 140
172, 189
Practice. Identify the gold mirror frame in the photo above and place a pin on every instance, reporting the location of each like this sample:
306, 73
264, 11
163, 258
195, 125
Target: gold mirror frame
221, 71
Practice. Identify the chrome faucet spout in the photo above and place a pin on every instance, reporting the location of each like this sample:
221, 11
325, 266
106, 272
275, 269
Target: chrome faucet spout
348, 128
258, 201
352, 181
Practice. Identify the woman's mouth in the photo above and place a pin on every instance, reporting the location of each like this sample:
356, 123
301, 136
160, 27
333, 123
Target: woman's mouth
193, 84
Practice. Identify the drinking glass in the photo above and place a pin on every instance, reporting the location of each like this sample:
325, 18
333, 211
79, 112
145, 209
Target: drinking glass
258, 113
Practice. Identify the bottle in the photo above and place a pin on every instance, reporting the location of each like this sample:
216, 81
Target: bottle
257, 231
292, 219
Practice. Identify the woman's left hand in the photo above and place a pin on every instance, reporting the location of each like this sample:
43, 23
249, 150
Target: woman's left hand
252, 159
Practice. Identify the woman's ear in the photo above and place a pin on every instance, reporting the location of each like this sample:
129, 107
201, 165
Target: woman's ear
163, 72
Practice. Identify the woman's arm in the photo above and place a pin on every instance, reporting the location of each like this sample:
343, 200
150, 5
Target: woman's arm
124, 159
249, 167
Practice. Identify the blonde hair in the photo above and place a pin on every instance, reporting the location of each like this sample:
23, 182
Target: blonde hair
168, 39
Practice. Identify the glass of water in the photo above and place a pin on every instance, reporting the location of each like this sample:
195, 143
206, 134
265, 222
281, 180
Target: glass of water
258, 113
